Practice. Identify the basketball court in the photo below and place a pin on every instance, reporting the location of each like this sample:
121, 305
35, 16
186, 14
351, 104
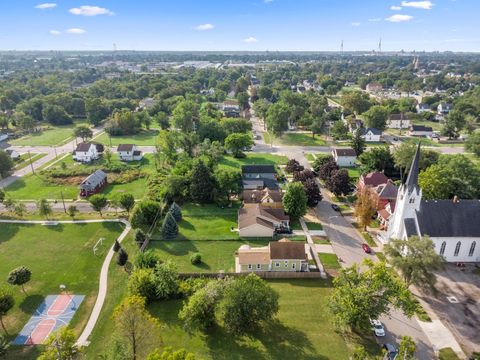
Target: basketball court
54, 312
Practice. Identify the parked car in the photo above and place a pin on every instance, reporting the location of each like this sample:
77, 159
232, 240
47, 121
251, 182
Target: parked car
366, 248
377, 328
391, 351
335, 207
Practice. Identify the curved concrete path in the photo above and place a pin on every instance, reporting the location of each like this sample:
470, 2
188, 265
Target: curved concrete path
102, 287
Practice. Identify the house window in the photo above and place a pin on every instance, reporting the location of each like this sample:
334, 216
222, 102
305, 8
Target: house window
293, 266
472, 248
442, 248
457, 248
259, 266
286, 263
250, 266
412, 200
277, 264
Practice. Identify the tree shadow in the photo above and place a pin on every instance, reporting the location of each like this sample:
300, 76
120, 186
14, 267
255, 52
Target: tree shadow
184, 224
202, 265
30, 303
174, 247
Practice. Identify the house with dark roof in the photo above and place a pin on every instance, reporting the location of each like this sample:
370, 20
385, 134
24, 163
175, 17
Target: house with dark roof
444, 108
370, 134
129, 152
453, 225
398, 121
258, 177
259, 220
86, 152
344, 157
231, 108
420, 130
93, 184
421, 108
282, 255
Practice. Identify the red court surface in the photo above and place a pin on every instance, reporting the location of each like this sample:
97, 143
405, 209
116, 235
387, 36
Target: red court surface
41, 331
59, 305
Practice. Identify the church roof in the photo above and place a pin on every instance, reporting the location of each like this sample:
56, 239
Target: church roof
447, 218
410, 227
412, 179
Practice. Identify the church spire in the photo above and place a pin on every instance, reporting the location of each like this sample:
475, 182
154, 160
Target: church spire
412, 179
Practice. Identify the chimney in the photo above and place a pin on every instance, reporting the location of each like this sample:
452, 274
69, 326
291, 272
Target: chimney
455, 199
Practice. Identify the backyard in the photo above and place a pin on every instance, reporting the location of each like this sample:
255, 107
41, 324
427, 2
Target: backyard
59, 254
144, 138
229, 162
295, 139
48, 136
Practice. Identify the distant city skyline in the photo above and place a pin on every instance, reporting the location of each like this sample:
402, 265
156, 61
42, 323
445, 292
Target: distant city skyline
256, 25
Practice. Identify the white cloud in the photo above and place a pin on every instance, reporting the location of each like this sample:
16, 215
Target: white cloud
46, 6
395, 7
88, 10
356, 24
375, 20
427, 5
54, 32
76, 31
399, 18
250, 40
204, 27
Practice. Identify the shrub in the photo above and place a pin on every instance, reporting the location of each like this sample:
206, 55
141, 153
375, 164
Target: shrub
169, 227
166, 281
196, 258
189, 286
176, 212
147, 260
140, 237
142, 283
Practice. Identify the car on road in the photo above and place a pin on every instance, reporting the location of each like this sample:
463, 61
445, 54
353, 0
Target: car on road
391, 351
335, 207
377, 328
366, 248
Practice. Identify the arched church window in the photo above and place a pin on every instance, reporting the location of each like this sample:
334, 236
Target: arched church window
457, 248
472, 248
442, 248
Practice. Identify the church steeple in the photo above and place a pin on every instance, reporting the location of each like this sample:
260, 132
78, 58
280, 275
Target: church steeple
412, 179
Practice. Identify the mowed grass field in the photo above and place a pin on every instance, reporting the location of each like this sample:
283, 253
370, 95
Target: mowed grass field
229, 162
295, 139
49, 136
36, 186
60, 254
144, 138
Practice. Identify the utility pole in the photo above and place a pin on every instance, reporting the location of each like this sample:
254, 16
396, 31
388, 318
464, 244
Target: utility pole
55, 149
31, 165
63, 202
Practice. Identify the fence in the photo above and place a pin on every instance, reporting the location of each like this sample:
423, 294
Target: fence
262, 274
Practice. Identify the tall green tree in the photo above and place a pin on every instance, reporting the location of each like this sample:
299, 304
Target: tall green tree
60, 345
145, 213
416, 259
202, 183
83, 131
358, 143
6, 164
339, 131
378, 159
126, 202
185, 115
356, 101
295, 200
237, 143
277, 119
376, 117
454, 123
6, 304
229, 183
99, 202
407, 348
169, 227
44, 208
19, 277
403, 156
472, 143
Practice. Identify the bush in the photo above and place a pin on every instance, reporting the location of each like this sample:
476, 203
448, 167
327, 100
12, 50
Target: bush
293, 166
140, 237
189, 286
196, 258
144, 213
147, 260
166, 281
176, 212
142, 283
169, 227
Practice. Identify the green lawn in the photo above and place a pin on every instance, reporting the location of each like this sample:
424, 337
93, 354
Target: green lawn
25, 160
314, 226
310, 157
320, 240
353, 172
60, 254
329, 261
296, 139
435, 125
447, 354
36, 186
49, 136
145, 137
229, 162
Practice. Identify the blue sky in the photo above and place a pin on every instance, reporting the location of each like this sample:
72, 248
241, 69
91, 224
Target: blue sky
239, 25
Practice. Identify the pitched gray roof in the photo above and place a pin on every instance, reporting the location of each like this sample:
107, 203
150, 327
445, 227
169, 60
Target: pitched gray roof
412, 179
258, 169
421, 128
83, 147
410, 227
446, 218
374, 131
125, 147
345, 152
94, 179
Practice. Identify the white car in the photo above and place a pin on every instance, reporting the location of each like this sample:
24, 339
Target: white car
377, 328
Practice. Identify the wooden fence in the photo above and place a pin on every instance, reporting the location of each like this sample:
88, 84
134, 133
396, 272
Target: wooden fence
262, 274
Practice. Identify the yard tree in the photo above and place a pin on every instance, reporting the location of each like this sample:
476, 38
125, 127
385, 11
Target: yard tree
185, 115
176, 211
198, 313
107, 155
406, 350
242, 98
277, 118
472, 143
20, 209
83, 131
229, 183
320, 160
44, 208
56, 115
126, 202
116, 246
339, 182
147, 259
4, 346
295, 200
141, 282
358, 143
403, 155
318, 125
60, 345
339, 131
454, 123
234, 125
6, 164
261, 108
202, 183
247, 301
72, 211
365, 206
122, 258
166, 280
416, 260
19, 277
25, 122
378, 159
326, 169
359, 295
293, 166
134, 323
169, 354
237, 143
314, 196
356, 101
169, 227
98, 202
140, 237
145, 213
376, 117
303, 175
6, 304
96, 110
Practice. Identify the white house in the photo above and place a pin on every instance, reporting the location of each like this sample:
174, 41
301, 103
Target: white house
374, 87
345, 157
420, 130
129, 152
453, 225
86, 152
421, 108
146, 103
444, 108
14, 155
370, 134
398, 121
3, 137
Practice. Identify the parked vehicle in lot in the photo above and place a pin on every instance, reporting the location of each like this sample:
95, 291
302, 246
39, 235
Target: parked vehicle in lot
391, 351
366, 248
377, 328
335, 207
